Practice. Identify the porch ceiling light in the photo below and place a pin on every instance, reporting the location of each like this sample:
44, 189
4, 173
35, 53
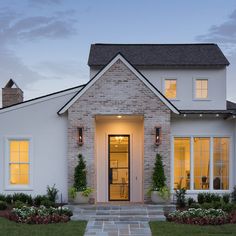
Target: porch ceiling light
119, 117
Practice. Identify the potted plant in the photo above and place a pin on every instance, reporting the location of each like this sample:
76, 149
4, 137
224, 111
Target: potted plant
80, 192
159, 192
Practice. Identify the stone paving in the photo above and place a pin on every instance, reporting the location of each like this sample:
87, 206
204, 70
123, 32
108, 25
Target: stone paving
117, 228
119, 220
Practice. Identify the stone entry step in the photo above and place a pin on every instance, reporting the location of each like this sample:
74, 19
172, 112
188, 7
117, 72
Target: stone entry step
137, 212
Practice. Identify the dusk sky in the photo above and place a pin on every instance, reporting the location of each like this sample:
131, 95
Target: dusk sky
44, 44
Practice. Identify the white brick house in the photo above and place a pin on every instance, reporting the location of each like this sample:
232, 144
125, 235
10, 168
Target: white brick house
141, 99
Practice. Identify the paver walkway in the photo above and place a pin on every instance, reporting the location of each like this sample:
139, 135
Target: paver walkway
119, 220
117, 228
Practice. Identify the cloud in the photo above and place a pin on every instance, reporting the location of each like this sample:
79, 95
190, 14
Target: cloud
44, 2
223, 33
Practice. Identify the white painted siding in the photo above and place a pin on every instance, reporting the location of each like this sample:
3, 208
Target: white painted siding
48, 133
185, 86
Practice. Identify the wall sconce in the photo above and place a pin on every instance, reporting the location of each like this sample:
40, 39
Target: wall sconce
158, 135
80, 135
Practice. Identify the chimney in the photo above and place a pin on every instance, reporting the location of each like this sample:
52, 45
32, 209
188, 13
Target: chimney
11, 94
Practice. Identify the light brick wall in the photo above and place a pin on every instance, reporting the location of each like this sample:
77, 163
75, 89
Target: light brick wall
118, 91
11, 96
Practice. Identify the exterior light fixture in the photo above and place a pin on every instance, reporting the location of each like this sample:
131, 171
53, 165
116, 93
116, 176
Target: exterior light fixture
158, 135
119, 117
80, 134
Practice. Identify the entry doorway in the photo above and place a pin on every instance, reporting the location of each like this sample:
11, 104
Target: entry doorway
119, 167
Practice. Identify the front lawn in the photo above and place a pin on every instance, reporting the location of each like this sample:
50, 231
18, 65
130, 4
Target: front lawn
170, 229
10, 228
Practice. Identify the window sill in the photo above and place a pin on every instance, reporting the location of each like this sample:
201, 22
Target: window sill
201, 99
18, 188
173, 99
206, 190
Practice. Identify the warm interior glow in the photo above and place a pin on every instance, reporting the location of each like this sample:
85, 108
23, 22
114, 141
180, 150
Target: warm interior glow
170, 88
119, 117
182, 163
201, 88
19, 162
119, 167
221, 163
201, 163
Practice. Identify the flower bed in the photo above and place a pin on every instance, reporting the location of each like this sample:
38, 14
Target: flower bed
200, 216
40, 215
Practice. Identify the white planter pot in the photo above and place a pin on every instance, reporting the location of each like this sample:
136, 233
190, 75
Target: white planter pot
80, 199
156, 198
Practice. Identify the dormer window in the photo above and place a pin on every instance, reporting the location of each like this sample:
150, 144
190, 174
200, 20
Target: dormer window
201, 88
170, 88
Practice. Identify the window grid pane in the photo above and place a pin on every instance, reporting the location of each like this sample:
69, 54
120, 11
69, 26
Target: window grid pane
19, 162
170, 88
201, 163
182, 163
201, 88
221, 163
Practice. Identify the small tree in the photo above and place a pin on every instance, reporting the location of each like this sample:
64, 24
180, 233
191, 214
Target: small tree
158, 176
80, 180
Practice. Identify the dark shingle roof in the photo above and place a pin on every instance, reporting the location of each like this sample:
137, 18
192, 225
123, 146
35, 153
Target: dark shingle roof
230, 105
159, 54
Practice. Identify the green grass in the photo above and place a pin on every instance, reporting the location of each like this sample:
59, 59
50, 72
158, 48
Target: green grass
170, 229
10, 228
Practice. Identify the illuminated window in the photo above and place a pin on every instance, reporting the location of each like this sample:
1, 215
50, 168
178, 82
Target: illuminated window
221, 163
19, 162
170, 88
201, 163
201, 88
182, 163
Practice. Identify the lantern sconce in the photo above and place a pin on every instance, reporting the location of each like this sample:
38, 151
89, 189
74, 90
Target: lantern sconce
158, 135
80, 131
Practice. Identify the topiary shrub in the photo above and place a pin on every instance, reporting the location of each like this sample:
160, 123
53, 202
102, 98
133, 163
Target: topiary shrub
3, 205
80, 180
158, 176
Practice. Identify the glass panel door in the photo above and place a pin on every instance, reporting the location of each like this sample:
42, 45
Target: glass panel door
118, 168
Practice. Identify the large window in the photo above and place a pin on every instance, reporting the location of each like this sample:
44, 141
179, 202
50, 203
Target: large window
170, 88
182, 163
201, 163
201, 88
19, 162
221, 163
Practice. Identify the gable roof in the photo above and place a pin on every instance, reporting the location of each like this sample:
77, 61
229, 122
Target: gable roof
163, 55
40, 99
134, 70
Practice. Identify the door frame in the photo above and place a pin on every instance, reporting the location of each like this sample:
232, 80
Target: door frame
120, 135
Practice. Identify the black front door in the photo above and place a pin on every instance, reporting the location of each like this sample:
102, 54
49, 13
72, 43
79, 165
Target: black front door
119, 167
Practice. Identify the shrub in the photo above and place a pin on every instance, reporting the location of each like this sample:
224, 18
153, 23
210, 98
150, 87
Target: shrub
228, 207
190, 201
208, 197
158, 176
199, 217
195, 205
3, 205
217, 205
80, 175
52, 193
47, 203
25, 198
2, 197
18, 204
206, 205
41, 215
39, 198
226, 198
180, 197
233, 195
9, 199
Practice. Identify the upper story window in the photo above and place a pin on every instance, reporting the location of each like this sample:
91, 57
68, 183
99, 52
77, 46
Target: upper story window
19, 164
201, 88
170, 88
